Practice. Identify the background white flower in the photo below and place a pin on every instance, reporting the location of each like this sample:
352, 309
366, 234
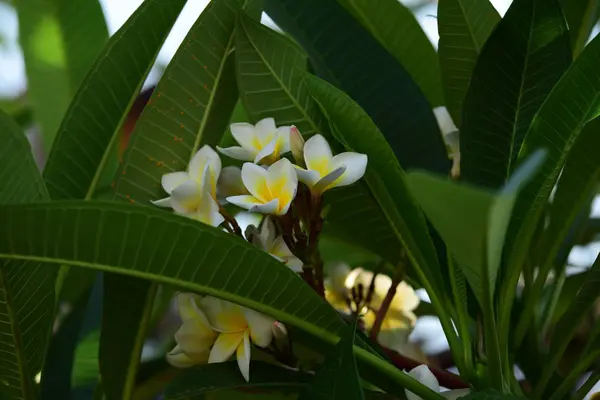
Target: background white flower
423, 374
267, 239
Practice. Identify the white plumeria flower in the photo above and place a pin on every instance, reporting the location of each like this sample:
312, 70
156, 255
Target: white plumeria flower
238, 327
195, 337
326, 171
423, 374
271, 190
263, 142
193, 193
266, 239
230, 184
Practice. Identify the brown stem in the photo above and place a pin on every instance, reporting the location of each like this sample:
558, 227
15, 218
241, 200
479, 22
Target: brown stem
385, 304
233, 225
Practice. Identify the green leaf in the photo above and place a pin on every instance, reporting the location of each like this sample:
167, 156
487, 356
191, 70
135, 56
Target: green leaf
398, 31
464, 26
223, 376
574, 101
90, 128
581, 16
58, 53
577, 184
270, 78
519, 65
482, 215
490, 395
26, 288
343, 53
178, 251
338, 377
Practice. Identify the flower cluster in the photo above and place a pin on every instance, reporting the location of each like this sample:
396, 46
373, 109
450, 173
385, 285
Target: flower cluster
288, 194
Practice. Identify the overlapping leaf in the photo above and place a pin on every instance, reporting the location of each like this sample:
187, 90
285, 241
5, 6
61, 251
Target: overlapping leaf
26, 287
581, 16
521, 62
464, 26
396, 28
270, 76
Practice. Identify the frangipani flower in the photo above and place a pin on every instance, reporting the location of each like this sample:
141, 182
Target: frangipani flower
263, 142
266, 239
238, 327
423, 374
230, 183
195, 337
193, 193
326, 171
271, 190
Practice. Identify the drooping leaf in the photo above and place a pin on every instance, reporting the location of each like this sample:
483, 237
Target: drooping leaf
398, 31
187, 254
581, 16
574, 101
190, 107
222, 376
522, 60
464, 26
26, 287
343, 53
338, 377
58, 53
269, 73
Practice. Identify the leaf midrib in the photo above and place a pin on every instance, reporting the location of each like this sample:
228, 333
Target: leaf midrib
468, 26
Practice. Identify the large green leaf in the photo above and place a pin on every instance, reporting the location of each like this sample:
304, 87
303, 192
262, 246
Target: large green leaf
60, 41
270, 78
581, 16
490, 395
190, 106
343, 53
338, 377
222, 376
519, 65
574, 101
398, 31
26, 288
464, 26
178, 251
577, 184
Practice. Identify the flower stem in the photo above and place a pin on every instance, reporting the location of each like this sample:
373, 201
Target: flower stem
385, 304
232, 224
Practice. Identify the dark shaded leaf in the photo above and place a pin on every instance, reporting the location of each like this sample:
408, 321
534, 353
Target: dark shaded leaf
519, 65
581, 16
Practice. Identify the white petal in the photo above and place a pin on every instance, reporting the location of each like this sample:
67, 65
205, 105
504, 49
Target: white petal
284, 137
195, 338
309, 178
225, 346
261, 327
208, 211
265, 128
294, 263
280, 249
238, 153
356, 165
405, 299
444, 120
267, 151
186, 197
243, 357
230, 182
244, 133
187, 306
255, 180
272, 207
166, 202
223, 316
268, 233
245, 201
329, 180
205, 156
455, 394
317, 154
173, 179
423, 374
179, 359
282, 182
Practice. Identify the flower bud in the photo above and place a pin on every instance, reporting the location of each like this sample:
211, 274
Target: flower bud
297, 145
280, 336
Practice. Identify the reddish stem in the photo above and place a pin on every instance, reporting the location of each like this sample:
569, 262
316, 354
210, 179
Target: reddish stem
385, 305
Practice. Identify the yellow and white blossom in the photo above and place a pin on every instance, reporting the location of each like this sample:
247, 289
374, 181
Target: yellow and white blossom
271, 190
260, 143
195, 337
325, 171
238, 327
193, 192
423, 374
266, 239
